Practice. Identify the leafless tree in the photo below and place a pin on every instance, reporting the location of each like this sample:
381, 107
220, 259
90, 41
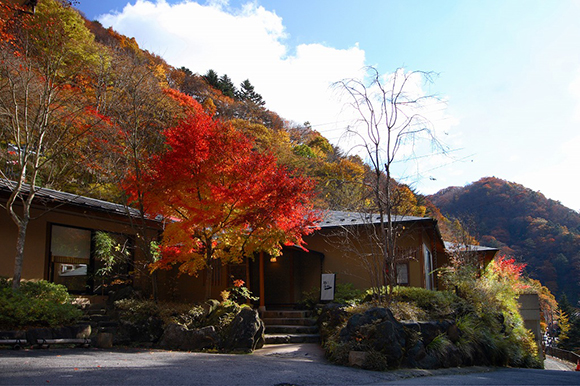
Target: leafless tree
390, 116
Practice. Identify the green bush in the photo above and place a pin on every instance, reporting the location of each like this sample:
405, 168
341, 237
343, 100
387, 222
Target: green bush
435, 304
138, 312
344, 294
35, 304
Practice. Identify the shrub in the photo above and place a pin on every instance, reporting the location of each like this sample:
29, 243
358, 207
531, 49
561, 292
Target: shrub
138, 312
492, 317
35, 304
344, 294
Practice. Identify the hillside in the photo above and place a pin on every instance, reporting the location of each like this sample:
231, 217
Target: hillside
541, 232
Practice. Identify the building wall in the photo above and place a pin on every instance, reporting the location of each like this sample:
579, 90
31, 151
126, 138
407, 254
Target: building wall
36, 249
351, 264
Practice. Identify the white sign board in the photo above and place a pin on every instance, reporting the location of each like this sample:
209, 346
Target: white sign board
327, 286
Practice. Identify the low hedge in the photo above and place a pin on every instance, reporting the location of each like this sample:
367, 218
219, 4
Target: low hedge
35, 304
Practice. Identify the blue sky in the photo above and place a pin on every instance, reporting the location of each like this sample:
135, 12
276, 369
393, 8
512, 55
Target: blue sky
509, 71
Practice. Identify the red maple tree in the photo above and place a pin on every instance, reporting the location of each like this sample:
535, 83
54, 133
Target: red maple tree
222, 199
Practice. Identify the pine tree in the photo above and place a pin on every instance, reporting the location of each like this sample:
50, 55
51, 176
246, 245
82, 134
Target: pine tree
247, 93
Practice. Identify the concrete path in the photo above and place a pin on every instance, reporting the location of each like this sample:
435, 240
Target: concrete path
553, 363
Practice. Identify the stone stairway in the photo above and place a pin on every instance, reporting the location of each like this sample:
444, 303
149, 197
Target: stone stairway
290, 327
102, 327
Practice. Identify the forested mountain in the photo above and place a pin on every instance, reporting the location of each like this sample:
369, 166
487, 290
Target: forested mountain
96, 107
104, 104
541, 232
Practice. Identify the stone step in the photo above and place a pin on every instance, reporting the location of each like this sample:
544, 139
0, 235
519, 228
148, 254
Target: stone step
289, 321
285, 314
98, 318
291, 338
281, 329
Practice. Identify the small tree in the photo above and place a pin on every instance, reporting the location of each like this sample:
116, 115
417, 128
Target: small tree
222, 200
389, 118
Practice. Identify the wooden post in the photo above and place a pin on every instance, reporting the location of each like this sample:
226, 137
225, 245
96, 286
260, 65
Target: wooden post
262, 288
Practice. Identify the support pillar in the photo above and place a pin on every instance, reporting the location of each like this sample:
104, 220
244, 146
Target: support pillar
262, 287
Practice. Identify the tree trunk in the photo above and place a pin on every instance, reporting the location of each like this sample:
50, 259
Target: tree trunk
22, 226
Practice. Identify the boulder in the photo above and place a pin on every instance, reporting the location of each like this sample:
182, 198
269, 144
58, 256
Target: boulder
177, 337
415, 354
452, 357
246, 332
104, 340
148, 330
377, 330
357, 358
331, 316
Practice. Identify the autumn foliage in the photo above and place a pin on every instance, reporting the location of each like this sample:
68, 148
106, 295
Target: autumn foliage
221, 198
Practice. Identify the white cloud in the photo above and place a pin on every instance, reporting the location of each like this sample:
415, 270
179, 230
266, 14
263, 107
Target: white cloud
243, 43
250, 43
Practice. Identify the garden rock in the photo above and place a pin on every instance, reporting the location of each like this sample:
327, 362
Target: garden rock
177, 337
452, 357
377, 329
332, 315
104, 340
415, 354
148, 330
246, 332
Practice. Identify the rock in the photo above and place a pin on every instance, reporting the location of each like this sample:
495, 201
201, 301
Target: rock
177, 337
210, 306
390, 339
148, 330
331, 316
430, 361
453, 333
104, 340
357, 358
415, 355
246, 332
377, 330
429, 331
452, 357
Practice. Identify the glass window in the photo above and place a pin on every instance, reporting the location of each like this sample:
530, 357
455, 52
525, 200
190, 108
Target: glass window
402, 274
70, 251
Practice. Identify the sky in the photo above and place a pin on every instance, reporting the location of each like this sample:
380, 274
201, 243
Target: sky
507, 73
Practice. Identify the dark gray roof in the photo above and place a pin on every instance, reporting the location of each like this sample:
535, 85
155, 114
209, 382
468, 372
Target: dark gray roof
335, 218
468, 248
56, 197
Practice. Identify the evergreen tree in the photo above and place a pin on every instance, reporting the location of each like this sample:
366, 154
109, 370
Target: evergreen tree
247, 93
226, 86
212, 78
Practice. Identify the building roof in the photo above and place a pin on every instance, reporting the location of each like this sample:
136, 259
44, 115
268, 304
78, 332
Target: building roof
49, 196
335, 218
468, 248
